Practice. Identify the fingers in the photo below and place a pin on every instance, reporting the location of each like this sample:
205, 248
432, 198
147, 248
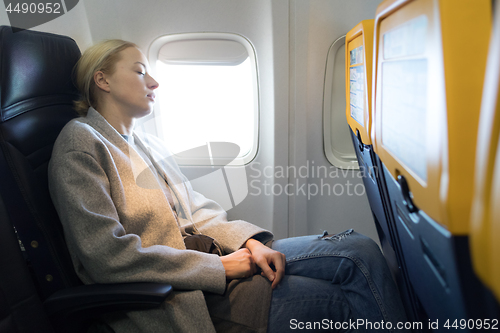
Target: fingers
247, 266
239, 264
264, 257
278, 260
253, 266
279, 264
266, 270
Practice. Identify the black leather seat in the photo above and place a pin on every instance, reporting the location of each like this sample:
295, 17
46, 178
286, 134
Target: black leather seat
36, 98
21, 309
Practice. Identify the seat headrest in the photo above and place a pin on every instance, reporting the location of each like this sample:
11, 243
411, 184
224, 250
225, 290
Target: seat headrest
35, 71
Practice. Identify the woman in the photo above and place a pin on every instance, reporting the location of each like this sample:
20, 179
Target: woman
129, 215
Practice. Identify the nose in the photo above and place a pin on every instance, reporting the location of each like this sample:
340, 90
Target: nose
152, 84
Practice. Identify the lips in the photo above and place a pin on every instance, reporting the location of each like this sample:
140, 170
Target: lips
151, 96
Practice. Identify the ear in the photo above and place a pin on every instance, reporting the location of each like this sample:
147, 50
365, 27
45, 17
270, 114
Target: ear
101, 81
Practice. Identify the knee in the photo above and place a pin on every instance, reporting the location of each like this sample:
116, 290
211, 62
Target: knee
365, 248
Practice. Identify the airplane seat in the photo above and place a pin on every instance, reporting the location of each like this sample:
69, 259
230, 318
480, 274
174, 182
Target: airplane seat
485, 216
36, 101
359, 60
428, 86
21, 309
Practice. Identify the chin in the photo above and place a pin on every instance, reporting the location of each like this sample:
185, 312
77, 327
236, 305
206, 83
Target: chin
144, 112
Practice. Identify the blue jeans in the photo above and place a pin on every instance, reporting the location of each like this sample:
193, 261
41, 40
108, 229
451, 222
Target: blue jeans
337, 283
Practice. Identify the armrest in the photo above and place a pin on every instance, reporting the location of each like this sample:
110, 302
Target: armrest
115, 297
78, 304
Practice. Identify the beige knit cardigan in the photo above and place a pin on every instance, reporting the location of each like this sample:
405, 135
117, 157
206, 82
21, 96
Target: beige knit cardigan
119, 231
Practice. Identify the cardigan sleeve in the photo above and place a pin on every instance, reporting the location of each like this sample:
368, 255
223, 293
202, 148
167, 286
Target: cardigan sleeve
102, 251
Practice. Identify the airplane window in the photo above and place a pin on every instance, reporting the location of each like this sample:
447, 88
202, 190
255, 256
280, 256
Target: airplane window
207, 95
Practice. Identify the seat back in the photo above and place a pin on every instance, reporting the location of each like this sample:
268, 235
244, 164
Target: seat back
485, 218
359, 61
427, 93
36, 98
359, 51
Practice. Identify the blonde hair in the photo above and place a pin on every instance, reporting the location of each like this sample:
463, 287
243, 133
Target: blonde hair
99, 57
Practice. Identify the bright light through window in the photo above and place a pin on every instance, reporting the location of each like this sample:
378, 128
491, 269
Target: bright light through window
207, 103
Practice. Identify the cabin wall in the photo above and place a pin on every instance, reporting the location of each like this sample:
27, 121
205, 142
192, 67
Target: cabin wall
314, 26
291, 40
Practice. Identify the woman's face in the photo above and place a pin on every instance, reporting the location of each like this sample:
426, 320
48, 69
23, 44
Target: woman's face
131, 86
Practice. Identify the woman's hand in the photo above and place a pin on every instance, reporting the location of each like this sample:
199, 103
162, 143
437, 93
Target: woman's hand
264, 257
239, 264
